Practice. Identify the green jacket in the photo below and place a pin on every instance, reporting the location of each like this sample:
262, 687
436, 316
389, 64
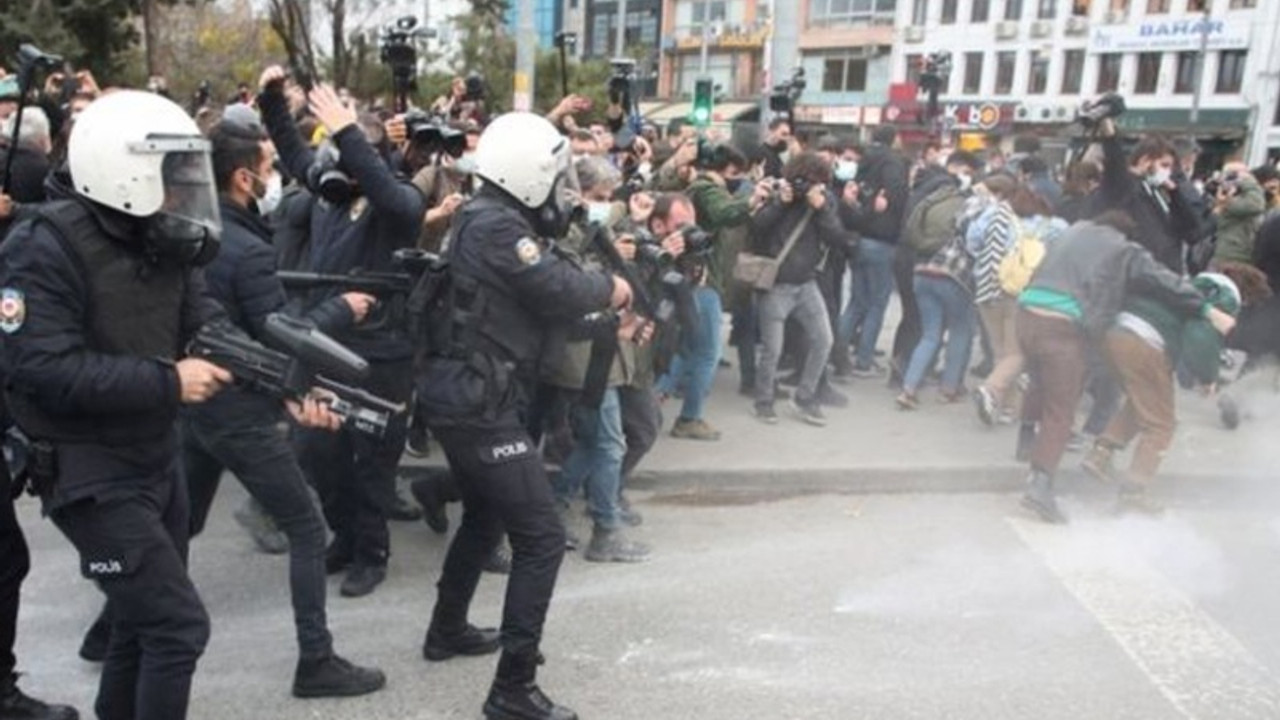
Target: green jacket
1188, 341
720, 214
1239, 221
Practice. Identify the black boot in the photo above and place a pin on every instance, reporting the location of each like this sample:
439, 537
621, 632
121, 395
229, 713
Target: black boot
440, 645
1039, 498
15, 705
96, 640
515, 696
333, 676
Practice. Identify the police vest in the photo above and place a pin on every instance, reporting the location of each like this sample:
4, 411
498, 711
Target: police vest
134, 307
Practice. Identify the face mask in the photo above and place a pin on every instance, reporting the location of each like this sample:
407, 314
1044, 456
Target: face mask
846, 170
965, 181
465, 164
733, 185
1159, 176
598, 212
780, 146
272, 191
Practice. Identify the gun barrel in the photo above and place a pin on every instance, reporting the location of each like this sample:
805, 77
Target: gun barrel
372, 283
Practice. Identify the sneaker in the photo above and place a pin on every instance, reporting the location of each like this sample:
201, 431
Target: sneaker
333, 676
809, 412
874, 370
985, 403
614, 546
261, 527
830, 397
402, 510
1097, 462
417, 441
17, 705
426, 491
499, 562
362, 579
907, 401
694, 430
765, 413
470, 642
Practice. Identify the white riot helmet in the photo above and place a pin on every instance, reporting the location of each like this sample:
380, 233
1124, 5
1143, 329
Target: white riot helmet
523, 155
140, 154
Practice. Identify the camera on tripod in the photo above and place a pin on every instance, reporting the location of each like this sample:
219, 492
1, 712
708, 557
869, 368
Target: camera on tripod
1094, 111
399, 51
785, 95
620, 81
32, 58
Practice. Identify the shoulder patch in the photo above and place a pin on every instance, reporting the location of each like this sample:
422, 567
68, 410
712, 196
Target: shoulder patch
13, 310
528, 250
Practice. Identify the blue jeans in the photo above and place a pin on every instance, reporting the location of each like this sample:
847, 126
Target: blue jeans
945, 307
596, 460
871, 285
694, 368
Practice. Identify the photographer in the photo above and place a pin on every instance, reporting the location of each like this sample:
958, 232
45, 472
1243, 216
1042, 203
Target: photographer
446, 183
1143, 186
1239, 203
360, 228
464, 102
30, 162
794, 226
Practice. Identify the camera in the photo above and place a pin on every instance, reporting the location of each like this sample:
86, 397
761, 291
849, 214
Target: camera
785, 95
32, 58
398, 51
475, 88
711, 156
433, 134
1095, 111
1227, 184
800, 187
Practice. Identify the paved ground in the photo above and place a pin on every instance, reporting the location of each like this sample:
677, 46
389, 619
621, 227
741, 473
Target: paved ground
831, 606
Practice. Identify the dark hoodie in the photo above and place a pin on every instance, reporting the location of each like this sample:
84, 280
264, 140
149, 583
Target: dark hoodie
883, 169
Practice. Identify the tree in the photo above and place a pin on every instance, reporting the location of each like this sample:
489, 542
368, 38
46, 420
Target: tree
288, 19
218, 43
90, 34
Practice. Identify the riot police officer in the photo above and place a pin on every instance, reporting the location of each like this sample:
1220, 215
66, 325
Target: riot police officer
98, 294
508, 287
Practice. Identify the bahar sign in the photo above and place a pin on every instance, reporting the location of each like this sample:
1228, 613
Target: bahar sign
1170, 35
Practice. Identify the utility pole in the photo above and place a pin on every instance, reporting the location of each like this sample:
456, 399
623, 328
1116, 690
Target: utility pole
1200, 61
620, 40
526, 54
785, 41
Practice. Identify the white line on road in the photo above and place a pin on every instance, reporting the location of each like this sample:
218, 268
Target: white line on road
1205, 672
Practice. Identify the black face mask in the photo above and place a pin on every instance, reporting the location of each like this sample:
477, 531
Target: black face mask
780, 146
733, 185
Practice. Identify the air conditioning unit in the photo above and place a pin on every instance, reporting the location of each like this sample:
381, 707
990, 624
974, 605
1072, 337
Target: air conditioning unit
1077, 25
1041, 29
1006, 30
913, 34
1035, 113
1115, 17
1064, 113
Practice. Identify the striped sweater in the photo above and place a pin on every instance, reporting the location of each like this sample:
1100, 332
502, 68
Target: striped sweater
989, 238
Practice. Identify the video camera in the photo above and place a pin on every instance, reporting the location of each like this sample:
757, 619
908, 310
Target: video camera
620, 80
434, 134
786, 95
31, 58
399, 51
697, 243
1094, 111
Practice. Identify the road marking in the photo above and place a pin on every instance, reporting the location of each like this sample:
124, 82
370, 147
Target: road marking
1204, 672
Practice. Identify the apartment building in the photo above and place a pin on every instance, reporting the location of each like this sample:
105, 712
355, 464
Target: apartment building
846, 50
1215, 60
734, 32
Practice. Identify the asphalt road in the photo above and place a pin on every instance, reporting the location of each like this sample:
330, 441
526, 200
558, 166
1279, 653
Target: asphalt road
821, 606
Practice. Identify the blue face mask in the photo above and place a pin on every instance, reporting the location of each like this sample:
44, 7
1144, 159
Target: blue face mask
846, 170
598, 213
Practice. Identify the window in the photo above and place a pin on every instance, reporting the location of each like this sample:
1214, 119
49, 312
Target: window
1243, 4
1148, 73
1080, 8
949, 12
1155, 7
1072, 71
919, 12
972, 73
1231, 70
844, 74
913, 67
1006, 63
1184, 83
1197, 5
1048, 9
981, 11
1038, 78
845, 13
602, 31
1109, 72
1013, 9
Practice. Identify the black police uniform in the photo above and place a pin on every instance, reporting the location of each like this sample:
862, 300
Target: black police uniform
92, 322
507, 291
355, 474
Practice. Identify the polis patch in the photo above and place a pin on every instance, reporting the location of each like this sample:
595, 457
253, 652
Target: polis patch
13, 310
528, 251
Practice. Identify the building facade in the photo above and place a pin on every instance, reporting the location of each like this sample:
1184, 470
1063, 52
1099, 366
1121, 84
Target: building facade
846, 50
1204, 68
734, 34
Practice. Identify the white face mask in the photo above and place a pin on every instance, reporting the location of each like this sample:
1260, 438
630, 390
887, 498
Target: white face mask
1159, 176
271, 197
599, 212
965, 181
465, 164
846, 170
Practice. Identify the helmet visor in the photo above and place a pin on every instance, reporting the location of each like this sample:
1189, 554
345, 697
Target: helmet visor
189, 190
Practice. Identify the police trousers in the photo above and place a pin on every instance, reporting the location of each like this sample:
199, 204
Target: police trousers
504, 486
355, 473
15, 561
134, 546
